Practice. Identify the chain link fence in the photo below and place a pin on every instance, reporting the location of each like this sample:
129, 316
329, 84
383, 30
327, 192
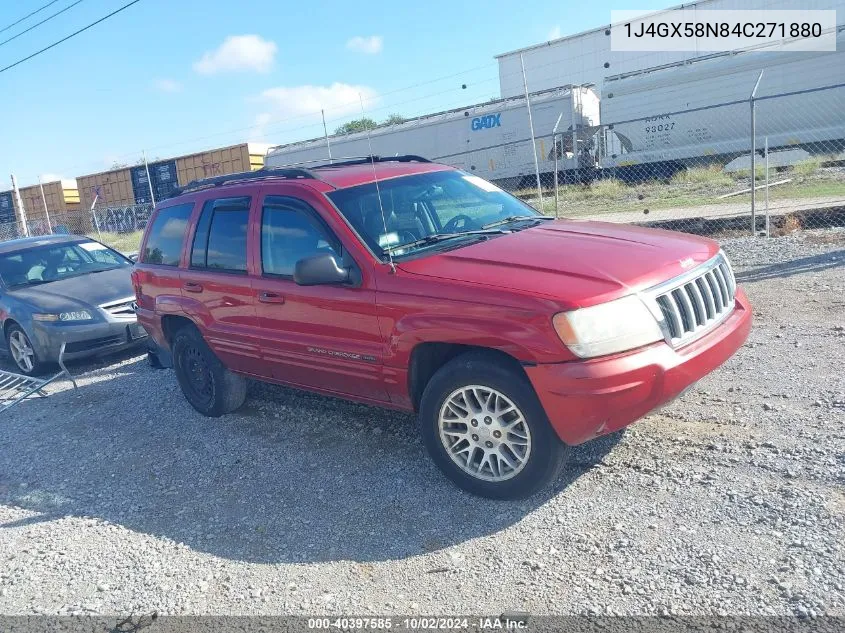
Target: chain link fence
117, 226
695, 170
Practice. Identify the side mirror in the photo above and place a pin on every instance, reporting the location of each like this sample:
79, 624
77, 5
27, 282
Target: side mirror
133, 256
319, 269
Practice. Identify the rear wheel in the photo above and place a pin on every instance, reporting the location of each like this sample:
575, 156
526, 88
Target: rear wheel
23, 352
210, 388
484, 427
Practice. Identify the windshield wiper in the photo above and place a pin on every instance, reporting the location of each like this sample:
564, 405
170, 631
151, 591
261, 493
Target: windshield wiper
516, 218
441, 237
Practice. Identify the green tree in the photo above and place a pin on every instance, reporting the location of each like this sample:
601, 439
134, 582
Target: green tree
356, 125
393, 119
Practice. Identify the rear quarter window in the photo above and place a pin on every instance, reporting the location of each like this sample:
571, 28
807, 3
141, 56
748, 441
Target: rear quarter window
166, 234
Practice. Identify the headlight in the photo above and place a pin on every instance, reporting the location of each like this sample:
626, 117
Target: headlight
608, 328
78, 315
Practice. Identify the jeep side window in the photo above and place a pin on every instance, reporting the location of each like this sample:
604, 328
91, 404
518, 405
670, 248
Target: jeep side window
221, 235
290, 231
164, 243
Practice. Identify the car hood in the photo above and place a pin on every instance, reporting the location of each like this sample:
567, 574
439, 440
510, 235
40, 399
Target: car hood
89, 290
578, 263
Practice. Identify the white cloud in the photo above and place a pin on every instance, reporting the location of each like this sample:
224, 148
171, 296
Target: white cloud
167, 85
237, 53
554, 33
370, 45
337, 100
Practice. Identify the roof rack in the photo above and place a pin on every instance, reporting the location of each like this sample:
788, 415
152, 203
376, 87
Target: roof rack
363, 160
289, 172
265, 173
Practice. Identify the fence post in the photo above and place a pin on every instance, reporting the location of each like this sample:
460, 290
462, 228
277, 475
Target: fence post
754, 156
531, 127
94, 214
46, 210
766, 151
556, 153
21, 208
149, 180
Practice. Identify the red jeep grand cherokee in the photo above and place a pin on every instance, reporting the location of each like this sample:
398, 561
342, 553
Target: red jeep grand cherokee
403, 283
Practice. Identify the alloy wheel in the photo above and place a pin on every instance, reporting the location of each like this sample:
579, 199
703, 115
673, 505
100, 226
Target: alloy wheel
484, 433
22, 352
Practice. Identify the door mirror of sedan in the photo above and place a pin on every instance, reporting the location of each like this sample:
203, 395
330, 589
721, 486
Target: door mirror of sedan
132, 256
318, 270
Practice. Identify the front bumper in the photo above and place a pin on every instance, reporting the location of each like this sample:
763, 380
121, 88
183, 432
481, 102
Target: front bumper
586, 399
84, 340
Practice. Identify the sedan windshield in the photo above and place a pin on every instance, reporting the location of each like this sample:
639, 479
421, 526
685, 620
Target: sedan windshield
52, 262
430, 211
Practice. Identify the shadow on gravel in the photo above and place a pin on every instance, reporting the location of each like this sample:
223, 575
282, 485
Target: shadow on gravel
816, 263
293, 477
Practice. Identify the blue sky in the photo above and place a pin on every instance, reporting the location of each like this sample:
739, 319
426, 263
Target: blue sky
176, 76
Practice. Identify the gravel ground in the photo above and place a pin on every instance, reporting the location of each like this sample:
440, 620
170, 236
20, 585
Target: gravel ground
729, 501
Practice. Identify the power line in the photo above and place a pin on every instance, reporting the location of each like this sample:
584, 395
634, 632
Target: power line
14, 37
65, 39
6, 28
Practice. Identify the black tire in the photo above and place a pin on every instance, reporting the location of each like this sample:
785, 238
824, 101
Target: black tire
547, 453
38, 366
211, 389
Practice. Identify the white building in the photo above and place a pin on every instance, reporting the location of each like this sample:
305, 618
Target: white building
586, 58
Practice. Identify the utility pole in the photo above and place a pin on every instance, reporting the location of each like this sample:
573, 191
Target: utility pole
20, 206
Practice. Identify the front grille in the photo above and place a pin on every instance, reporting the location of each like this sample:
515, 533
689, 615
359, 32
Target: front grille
697, 301
123, 310
94, 343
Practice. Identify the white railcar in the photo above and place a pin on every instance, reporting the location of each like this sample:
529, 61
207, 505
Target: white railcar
492, 139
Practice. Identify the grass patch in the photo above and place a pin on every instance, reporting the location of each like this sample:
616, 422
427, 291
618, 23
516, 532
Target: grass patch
711, 175
121, 242
806, 168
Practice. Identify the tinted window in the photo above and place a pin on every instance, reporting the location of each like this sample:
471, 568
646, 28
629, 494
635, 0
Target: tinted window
291, 231
164, 243
221, 235
227, 240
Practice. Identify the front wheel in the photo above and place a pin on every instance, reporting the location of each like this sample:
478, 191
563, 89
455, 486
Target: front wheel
23, 352
484, 427
208, 386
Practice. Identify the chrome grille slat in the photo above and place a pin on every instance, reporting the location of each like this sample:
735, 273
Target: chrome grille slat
697, 301
723, 285
687, 305
670, 313
707, 296
122, 309
710, 278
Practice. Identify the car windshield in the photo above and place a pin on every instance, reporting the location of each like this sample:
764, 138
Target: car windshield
429, 211
52, 262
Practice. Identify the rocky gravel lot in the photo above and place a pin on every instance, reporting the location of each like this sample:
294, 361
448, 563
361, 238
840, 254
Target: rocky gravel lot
119, 497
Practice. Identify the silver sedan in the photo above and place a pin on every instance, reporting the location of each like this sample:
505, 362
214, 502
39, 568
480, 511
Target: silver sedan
65, 289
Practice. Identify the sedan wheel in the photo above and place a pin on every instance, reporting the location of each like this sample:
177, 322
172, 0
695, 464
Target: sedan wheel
22, 351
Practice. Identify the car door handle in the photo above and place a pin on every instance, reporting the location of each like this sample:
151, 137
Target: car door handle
191, 286
270, 297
